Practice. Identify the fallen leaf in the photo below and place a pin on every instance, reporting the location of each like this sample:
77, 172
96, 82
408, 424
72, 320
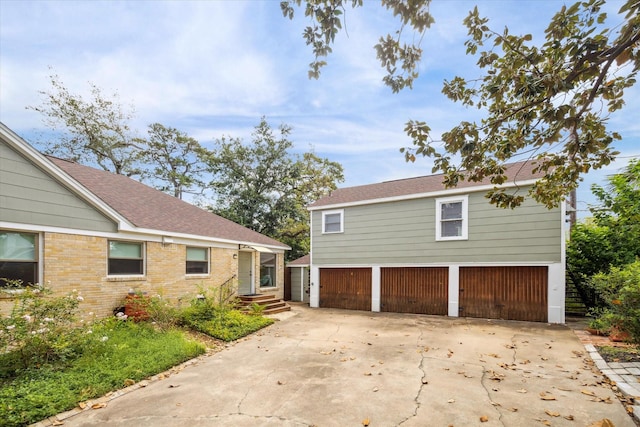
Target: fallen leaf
513, 409
82, 405
98, 405
451, 400
521, 390
128, 382
568, 417
552, 413
493, 355
281, 382
424, 381
587, 392
57, 423
484, 419
367, 374
174, 386
605, 422
365, 422
545, 396
375, 389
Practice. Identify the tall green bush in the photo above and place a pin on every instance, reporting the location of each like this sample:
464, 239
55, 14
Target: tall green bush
41, 329
620, 289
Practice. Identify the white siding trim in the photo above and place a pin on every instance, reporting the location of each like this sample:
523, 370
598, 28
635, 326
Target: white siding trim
556, 293
375, 288
141, 234
454, 291
314, 289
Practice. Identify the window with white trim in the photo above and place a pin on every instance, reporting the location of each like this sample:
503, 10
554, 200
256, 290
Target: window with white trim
18, 258
197, 260
332, 221
452, 222
126, 258
268, 267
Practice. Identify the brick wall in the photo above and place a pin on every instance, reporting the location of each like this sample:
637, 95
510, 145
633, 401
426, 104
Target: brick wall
74, 262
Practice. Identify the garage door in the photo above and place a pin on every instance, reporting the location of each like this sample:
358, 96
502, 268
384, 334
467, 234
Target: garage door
420, 290
512, 293
348, 288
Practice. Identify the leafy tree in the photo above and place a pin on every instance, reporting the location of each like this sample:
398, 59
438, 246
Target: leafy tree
174, 159
546, 103
97, 129
612, 237
266, 188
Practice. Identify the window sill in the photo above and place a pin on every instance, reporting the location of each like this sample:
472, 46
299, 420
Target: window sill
125, 278
197, 276
451, 239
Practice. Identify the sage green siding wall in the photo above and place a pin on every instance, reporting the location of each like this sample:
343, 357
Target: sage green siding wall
299, 282
403, 232
30, 196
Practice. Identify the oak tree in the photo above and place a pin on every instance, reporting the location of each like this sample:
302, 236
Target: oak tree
174, 161
547, 102
93, 131
266, 187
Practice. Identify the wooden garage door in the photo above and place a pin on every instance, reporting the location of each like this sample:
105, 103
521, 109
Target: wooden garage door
512, 293
348, 288
421, 290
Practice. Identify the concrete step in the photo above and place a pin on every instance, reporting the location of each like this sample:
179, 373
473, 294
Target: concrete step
270, 303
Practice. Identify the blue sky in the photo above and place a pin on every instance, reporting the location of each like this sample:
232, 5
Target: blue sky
213, 68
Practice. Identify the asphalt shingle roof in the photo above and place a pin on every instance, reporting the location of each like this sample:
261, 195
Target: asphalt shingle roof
148, 208
302, 261
521, 171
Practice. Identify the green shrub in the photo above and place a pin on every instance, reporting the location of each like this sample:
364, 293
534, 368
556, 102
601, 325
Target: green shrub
213, 312
40, 330
114, 353
156, 309
620, 289
230, 325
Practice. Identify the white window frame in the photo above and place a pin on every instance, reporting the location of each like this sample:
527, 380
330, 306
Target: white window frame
37, 255
207, 256
143, 249
334, 212
465, 217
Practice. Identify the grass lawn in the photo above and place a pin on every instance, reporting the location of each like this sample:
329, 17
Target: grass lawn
115, 353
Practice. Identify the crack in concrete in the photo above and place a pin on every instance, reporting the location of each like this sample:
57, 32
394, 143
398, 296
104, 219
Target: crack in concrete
423, 380
484, 386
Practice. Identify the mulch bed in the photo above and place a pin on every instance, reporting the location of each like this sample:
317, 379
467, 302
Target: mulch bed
620, 354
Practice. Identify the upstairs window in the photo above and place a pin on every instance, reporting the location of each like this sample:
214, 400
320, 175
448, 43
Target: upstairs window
332, 221
452, 218
126, 258
18, 258
197, 260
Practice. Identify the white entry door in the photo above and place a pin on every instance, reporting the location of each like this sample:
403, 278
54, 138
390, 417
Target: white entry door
246, 285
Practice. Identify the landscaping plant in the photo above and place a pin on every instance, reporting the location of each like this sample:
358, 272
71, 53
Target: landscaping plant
620, 289
40, 330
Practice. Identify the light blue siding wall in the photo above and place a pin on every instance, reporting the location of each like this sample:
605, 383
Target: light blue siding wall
403, 233
30, 196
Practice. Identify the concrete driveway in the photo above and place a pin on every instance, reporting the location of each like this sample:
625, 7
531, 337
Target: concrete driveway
322, 367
